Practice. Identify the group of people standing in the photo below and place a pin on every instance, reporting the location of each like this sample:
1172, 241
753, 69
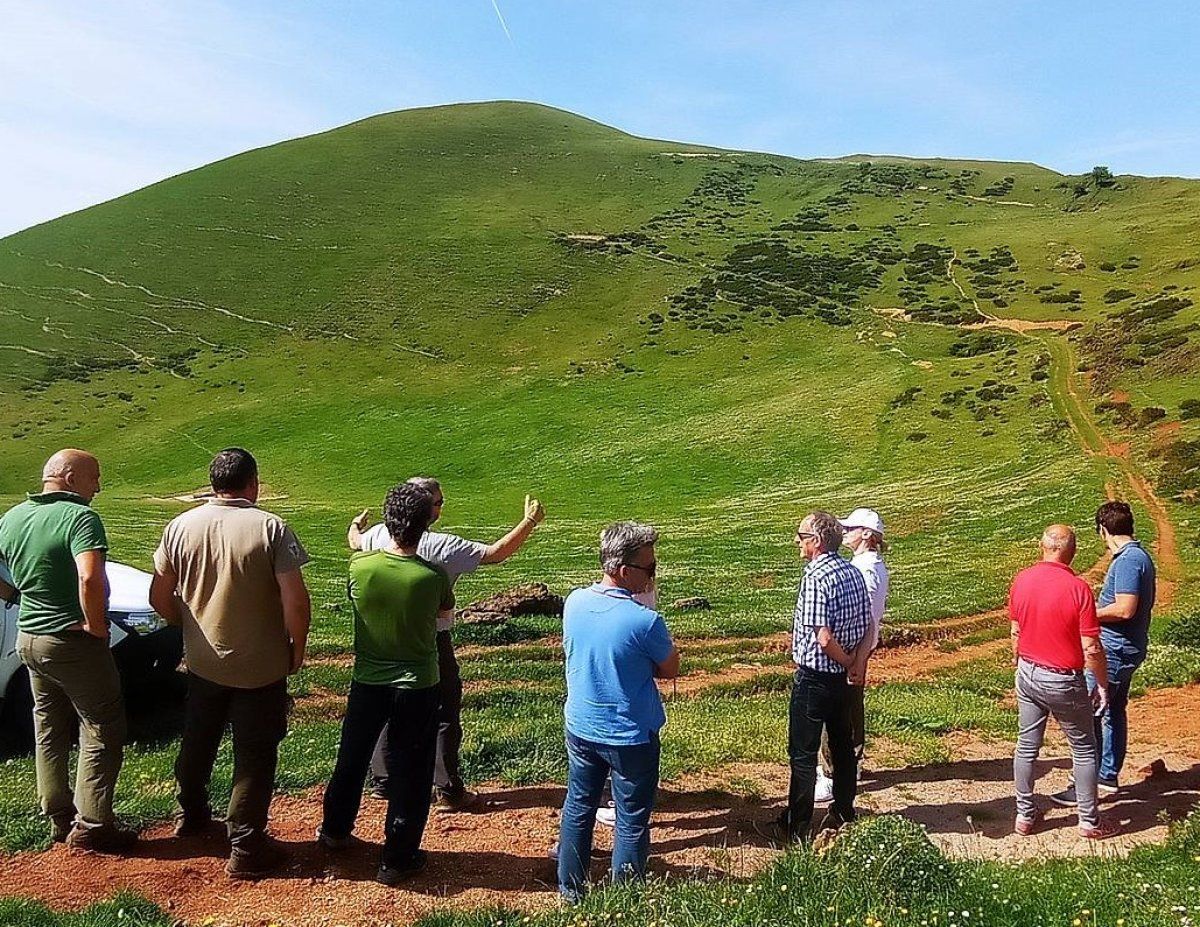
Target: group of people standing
230, 574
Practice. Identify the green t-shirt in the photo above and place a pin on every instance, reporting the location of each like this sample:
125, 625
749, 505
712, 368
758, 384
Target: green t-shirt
396, 601
39, 540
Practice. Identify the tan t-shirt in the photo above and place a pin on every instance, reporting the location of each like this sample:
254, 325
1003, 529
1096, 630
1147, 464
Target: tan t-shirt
225, 554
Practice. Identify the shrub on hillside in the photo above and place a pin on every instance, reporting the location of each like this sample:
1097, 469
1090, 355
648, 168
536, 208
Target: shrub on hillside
1169, 665
1116, 295
1150, 415
977, 343
1180, 471
1189, 408
1184, 631
1108, 266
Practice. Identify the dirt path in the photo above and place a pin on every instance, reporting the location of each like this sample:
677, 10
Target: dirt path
703, 828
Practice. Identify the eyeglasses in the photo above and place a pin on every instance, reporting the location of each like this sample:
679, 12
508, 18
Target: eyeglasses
648, 570
805, 536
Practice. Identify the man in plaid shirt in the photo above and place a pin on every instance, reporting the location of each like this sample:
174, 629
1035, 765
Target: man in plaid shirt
833, 616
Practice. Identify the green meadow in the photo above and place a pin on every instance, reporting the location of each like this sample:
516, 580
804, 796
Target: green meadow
519, 300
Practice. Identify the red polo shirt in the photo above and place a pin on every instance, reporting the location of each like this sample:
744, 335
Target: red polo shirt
1053, 608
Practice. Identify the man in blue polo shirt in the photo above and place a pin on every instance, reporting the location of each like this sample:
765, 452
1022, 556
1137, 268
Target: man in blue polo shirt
615, 649
1123, 607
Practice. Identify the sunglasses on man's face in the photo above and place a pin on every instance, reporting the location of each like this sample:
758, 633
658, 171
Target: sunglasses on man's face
805, 536
648, 570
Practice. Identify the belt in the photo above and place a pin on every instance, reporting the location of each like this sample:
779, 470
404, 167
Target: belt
1053, 669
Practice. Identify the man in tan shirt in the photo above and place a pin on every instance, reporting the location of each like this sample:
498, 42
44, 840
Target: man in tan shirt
230, 574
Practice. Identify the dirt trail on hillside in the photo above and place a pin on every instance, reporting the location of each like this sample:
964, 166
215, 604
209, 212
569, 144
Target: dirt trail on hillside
703, 828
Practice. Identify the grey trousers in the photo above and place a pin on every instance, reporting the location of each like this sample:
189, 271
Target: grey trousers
75, 683
1040, 694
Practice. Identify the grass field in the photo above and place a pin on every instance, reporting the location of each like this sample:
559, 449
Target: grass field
515, 299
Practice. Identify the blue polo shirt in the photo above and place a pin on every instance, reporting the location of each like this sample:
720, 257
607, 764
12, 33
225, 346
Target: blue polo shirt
612, 645
1130, 573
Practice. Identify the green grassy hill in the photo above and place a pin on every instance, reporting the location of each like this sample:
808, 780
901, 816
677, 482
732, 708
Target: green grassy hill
519, 299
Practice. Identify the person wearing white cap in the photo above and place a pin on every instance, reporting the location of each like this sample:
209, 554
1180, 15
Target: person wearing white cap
864, 537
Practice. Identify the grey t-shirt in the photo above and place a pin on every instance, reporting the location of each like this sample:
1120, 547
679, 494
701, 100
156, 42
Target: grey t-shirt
452, 554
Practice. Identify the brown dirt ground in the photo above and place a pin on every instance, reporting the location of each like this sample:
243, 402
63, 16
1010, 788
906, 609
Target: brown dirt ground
703, 828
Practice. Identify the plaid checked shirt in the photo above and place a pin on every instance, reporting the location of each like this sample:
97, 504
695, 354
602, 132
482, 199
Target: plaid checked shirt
833, 594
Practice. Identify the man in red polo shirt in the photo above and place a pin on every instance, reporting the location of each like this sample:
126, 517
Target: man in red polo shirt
1055, 633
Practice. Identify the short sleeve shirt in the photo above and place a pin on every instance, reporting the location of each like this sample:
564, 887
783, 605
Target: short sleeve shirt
225, 555
1053, 609
612, 646
833, 595
39, 540
1130, 573
396, 600
452, 554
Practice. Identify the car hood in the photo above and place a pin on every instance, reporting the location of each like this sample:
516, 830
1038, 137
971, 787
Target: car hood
129, 589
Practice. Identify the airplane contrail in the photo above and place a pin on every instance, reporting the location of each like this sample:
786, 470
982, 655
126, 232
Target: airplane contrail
500, 16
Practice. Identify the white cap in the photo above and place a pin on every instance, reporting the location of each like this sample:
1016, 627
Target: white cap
864, 518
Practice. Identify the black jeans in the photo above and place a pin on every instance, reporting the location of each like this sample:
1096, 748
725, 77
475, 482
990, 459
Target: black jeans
820, 701
447, 776
411, 719
259, 721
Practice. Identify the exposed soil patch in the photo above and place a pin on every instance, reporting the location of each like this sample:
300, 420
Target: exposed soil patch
703, 828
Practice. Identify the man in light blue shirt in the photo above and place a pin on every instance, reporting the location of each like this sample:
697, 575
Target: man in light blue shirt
615, 649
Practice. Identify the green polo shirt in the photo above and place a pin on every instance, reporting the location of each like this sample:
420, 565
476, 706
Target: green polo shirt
39, 540
396, 601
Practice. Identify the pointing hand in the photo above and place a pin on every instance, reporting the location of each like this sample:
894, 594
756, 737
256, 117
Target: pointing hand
361, 519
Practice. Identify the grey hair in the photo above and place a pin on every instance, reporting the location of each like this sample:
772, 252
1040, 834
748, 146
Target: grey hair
1056, 539
829, 530
620, 542
427, 483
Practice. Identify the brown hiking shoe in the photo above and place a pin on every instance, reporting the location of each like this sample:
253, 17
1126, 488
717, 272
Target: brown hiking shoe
60, 829
194, 825
257, 864
108, 838
455, 801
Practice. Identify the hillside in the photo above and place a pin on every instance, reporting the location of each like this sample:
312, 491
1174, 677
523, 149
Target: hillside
518, 299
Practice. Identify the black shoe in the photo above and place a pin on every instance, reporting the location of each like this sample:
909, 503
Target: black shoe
1107, 787
378, 789
394, 875
333, 844
257, 864
1066, 798
193, 825
776, 831
110, 838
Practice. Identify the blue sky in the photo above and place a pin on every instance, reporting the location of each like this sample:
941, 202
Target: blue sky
99, 98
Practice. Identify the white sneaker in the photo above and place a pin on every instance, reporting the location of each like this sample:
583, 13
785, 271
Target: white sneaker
824, 790
607, 815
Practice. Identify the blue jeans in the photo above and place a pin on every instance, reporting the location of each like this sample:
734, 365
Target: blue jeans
634, 771
1112, 728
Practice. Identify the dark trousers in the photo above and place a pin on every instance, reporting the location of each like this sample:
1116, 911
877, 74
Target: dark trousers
411, 719
820, 702
634, 773
858, 728
258, 718
447, 776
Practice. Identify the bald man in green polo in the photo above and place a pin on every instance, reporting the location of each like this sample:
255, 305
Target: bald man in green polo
54, 545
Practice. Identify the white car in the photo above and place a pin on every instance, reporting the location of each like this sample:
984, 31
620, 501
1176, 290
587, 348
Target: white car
148, 651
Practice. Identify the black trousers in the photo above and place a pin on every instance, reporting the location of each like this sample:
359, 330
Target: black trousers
447, 776
258, 718
411, 719
820, 702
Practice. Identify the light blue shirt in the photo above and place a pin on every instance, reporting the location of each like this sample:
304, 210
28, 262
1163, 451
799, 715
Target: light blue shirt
1130, 573
613, 645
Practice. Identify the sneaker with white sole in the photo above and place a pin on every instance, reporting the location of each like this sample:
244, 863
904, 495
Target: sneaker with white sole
824, 788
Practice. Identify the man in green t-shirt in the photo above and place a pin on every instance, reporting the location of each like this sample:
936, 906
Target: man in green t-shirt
396, 597
54, 545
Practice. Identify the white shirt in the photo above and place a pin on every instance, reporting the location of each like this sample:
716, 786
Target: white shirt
875, 572
448, 552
